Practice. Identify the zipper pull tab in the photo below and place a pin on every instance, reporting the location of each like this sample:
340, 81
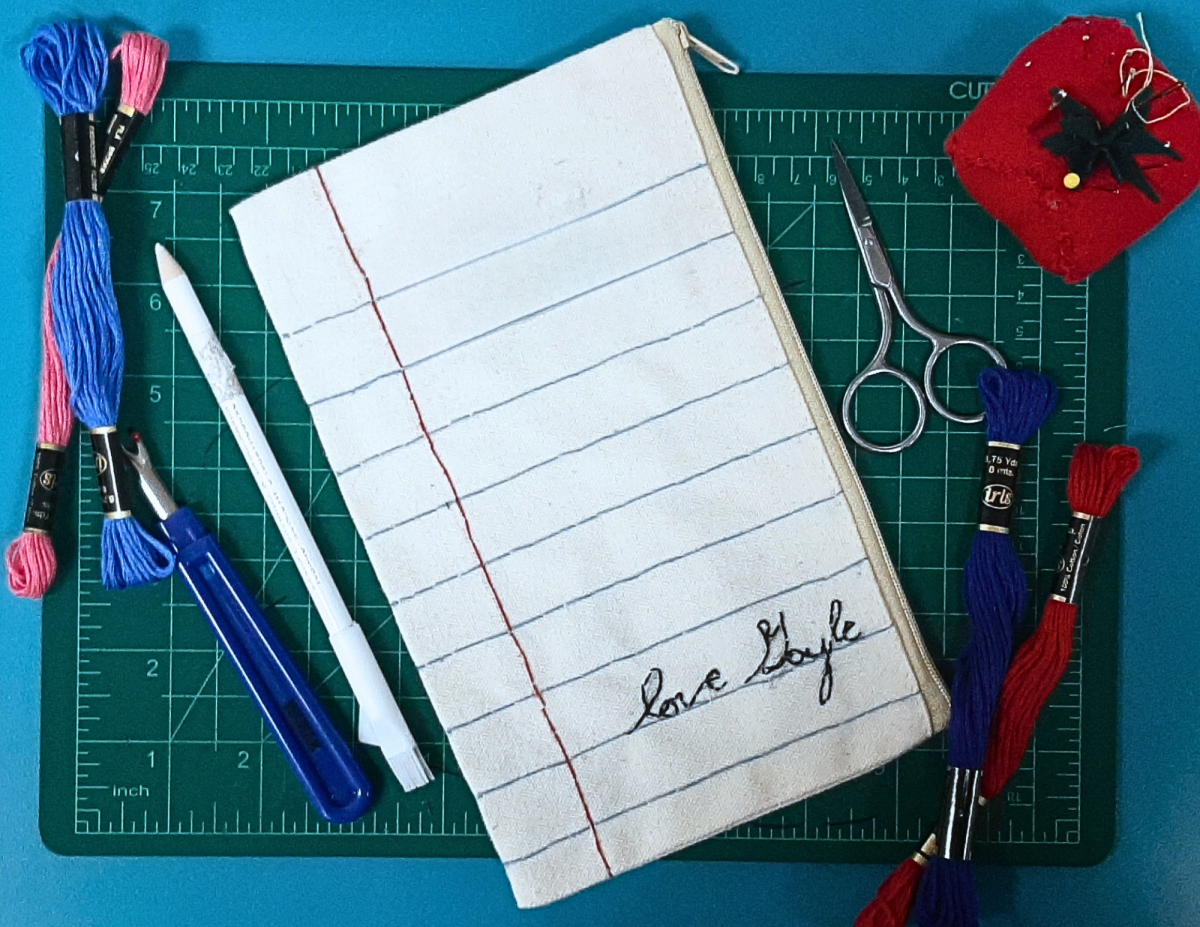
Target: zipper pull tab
707, 52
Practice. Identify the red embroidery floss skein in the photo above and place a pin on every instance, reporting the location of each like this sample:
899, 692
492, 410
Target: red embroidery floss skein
1097, 477
894, 901
30, 559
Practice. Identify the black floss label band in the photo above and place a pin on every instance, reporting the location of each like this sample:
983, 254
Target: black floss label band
110, 470
117, 138
960, 804
80, 179
1073, 561
998, 499
48, 460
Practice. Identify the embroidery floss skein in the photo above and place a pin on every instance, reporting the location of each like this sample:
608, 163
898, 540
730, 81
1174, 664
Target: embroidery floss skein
143, 67
30, 559
1017, 403
1096, 479
1097, 476
68, 63
893, 902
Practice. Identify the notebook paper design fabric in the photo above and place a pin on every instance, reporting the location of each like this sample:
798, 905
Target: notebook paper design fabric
590, 465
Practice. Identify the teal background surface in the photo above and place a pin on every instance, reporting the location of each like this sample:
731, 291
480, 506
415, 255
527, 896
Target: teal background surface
1151, 878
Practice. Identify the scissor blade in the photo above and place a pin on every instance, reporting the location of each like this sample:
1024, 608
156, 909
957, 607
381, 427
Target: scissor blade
873, 253
856, 206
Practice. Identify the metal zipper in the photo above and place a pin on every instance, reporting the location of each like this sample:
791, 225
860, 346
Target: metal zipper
706, 51
735, 201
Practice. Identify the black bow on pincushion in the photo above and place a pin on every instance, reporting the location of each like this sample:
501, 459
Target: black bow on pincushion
1083, 141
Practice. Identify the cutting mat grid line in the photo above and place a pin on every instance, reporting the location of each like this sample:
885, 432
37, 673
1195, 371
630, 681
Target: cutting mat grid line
149, 744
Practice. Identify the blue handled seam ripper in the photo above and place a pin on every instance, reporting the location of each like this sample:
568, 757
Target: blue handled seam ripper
335, 783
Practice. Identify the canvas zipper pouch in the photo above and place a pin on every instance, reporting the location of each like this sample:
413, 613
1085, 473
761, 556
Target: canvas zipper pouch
587, 456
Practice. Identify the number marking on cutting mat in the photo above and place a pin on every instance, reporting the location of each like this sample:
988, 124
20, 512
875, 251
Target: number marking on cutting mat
151, 747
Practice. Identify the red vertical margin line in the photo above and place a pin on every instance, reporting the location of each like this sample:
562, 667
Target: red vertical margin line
587, 811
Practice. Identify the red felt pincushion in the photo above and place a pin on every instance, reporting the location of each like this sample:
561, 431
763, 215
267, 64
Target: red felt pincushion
999, 157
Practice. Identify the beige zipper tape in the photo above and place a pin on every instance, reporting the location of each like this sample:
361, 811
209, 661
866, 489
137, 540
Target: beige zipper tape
678, 42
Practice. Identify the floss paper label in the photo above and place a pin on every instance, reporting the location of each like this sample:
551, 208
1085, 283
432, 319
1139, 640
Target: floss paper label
591, 466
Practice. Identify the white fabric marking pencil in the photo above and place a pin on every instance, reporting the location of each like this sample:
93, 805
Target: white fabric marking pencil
380, 722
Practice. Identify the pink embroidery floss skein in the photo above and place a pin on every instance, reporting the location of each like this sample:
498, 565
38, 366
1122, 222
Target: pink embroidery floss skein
143, 67
30, 560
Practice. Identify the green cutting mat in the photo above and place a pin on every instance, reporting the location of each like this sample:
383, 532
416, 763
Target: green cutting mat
149, 745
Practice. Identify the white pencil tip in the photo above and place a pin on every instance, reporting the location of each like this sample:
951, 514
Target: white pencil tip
168, 267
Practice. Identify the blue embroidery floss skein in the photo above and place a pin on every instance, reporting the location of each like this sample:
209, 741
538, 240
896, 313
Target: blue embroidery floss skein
68, 64
1017, 403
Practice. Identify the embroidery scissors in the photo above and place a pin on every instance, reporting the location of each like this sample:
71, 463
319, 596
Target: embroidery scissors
889, 297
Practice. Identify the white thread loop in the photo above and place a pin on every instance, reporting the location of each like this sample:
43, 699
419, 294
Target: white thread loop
1129, 73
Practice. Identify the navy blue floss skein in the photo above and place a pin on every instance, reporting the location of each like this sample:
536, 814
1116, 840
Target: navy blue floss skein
68, 64
1017, 403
